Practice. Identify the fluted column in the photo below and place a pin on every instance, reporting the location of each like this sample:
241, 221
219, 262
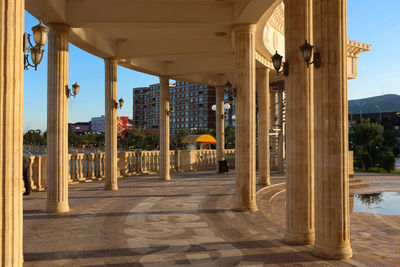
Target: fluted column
219, 117
332, 220
245, 130
57, 119
273, 118
164, 129
111, 176
299, 116
263, 126
281, 144
11, 102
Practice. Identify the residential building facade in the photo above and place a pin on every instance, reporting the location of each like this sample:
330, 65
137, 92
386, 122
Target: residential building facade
191, 105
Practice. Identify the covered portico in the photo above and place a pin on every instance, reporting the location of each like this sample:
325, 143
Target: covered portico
206, 42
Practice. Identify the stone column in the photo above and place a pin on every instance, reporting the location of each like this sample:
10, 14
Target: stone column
299, 128
164, 129
111, 124
263, 126
219, 117
245, 130
281, 143
11, 102
273, 108
57, 119
332, 220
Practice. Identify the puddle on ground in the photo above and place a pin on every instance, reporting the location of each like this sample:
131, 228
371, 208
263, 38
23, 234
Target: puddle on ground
383, 203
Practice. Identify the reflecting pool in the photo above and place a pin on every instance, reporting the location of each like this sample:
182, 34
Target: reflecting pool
383, 203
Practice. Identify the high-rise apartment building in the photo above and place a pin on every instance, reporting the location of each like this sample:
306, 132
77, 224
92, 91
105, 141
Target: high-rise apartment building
191, 104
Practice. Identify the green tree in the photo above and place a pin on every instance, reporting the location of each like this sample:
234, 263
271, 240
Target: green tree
366, 135
229, 137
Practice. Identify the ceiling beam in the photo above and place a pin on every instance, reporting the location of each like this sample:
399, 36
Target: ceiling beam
125, 13
173, 47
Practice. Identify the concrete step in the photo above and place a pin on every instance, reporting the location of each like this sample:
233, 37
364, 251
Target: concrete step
358, 185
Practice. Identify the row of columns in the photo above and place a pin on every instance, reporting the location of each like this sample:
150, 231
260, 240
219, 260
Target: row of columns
305, 19
317, 138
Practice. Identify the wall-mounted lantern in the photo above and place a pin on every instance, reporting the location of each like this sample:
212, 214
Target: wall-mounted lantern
229, 89
227, 106
307, 51
40, 33
74, 91
169, 111
277, 62
119, 104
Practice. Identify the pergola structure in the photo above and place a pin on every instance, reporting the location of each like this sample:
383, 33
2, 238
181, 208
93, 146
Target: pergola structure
202, 41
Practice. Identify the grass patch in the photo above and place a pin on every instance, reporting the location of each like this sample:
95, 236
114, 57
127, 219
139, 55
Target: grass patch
376, 170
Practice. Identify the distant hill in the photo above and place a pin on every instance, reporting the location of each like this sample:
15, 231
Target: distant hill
386, 103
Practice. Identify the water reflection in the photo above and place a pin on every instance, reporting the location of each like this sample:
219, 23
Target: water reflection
384, 203
369, 199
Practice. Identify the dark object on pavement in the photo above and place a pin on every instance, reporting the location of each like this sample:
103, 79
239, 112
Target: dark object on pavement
25, 176
223, 166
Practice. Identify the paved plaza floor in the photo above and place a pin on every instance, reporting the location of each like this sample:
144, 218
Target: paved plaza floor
189, 221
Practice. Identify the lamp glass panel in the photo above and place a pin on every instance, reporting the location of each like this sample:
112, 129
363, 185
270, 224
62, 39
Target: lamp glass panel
36, 55
40, 33
121, 102
214, 107
277, 61
75, 88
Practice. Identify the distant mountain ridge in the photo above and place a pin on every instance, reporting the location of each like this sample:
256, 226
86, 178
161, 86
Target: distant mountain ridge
376, 104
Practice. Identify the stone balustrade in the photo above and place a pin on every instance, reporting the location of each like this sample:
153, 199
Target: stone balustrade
87, 167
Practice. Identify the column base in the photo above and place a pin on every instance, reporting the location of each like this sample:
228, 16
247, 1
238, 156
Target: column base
165, 178
299, 238
113, 187
57, 207
264, 182
333, 253
245, 207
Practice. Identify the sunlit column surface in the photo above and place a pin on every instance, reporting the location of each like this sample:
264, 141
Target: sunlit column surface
299, 134
111, 182
220, 123
164, 129
263, 126
11, 97
332, 221
245, 130
57, 119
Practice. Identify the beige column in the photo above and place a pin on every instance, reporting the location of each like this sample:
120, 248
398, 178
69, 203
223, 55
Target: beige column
299, 116
281, 143
263, 126
111, 124
245, 130
273, 108
11, 102
332, 220
164, 129
57, 119
219, 117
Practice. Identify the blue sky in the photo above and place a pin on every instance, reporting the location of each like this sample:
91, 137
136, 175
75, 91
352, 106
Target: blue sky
367, 21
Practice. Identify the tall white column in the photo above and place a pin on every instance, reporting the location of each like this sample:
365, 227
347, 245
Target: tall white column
11, 102
220, 123
332, 218
299, 116
111, 176
164, 129
263, 126
57, 119
245, 130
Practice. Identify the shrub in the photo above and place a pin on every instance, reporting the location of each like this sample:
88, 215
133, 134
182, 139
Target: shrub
388, 162
366, 160
396, 151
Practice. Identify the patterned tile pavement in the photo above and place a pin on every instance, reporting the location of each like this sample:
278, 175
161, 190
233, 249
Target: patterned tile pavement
189, 221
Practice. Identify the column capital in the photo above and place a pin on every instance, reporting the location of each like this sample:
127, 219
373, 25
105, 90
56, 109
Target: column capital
111, 60
58, 27
244, 27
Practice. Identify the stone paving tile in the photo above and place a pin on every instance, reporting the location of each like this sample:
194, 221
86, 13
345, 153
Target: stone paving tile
187, 221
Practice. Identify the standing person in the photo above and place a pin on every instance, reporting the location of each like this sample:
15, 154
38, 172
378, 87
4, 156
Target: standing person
27, 182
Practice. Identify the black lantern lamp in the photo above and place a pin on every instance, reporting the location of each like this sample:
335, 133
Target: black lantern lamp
74, 91
40, 33
229, 89
307, 51
119, 104
277, 62
170, 111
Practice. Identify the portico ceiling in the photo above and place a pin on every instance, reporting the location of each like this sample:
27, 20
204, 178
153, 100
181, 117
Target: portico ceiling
185, 39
